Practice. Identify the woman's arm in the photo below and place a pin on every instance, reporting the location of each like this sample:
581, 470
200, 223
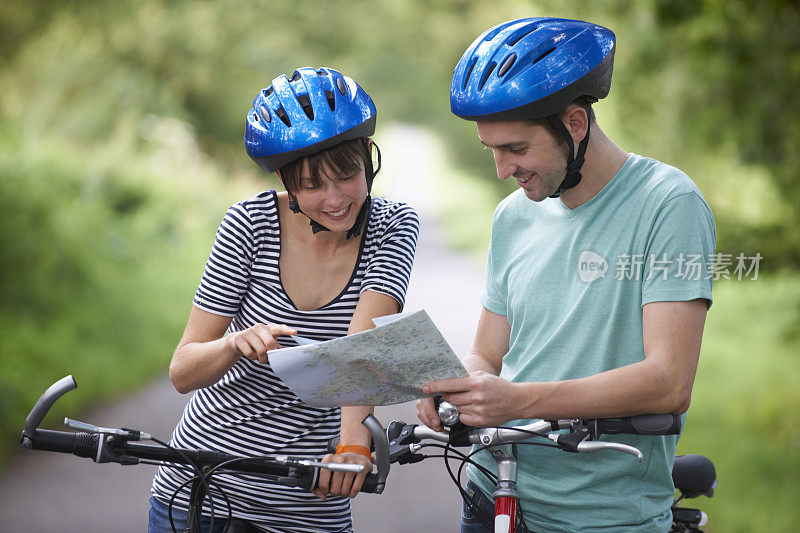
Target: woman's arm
204, 355
370, 305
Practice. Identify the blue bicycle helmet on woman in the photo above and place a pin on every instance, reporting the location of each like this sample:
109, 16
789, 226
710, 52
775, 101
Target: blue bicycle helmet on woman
533, 68
313, 110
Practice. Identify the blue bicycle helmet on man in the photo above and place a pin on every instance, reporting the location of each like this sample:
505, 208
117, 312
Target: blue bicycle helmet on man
533, 68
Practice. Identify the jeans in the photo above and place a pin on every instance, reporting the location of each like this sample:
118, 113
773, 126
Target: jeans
159, 519
484, 508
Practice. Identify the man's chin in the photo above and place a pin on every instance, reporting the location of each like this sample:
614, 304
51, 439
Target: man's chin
535, 195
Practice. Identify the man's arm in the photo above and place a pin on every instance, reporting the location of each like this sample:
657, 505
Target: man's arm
661, 383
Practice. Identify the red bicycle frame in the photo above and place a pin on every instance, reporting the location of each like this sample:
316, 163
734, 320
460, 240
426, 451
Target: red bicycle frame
506, 497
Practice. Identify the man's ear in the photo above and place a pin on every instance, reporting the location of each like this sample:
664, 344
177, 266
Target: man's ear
577, 122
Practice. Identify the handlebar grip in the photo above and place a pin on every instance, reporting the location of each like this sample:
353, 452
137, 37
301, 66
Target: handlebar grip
641, 425
370, 482
80, 444
46, 401
332, 444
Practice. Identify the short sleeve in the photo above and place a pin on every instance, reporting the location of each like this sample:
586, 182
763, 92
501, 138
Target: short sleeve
227, 273
492, 298
389, 269
681, 241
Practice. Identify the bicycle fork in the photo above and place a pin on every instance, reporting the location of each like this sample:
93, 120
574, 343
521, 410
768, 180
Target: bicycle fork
506, 497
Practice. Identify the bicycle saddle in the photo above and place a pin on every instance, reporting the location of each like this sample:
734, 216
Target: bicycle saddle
694, 475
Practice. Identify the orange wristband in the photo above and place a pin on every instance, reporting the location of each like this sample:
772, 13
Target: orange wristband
354, 448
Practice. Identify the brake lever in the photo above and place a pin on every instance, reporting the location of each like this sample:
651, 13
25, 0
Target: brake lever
334, 467
587, 446
130, 434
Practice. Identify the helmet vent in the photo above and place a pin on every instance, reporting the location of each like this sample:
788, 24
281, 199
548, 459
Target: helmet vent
341, 86
264, 114
469, 72
283, 116
331, 100
295, 76
305, 102
486, 73
506, 65
543, 55
268, 91
515, 37
322, 72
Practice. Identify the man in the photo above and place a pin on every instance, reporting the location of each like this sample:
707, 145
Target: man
597, 286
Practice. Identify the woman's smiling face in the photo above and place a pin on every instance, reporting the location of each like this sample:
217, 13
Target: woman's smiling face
335, 198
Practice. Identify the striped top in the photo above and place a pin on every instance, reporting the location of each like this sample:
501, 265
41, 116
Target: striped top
250, 411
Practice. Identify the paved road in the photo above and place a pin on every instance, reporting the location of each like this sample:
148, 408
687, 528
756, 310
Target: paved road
41, 492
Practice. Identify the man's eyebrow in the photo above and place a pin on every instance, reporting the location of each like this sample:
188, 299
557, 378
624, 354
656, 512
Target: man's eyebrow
504, 146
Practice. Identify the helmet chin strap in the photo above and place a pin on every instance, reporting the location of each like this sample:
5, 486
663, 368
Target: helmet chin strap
574, 162
355, 230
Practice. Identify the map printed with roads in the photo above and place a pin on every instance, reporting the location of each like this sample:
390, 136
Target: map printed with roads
381, 366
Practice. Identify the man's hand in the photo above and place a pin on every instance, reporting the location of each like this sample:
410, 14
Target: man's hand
341, 483
483, 399
427, 414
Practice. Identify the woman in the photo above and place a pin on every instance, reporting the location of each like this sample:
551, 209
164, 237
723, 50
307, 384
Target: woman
319, 260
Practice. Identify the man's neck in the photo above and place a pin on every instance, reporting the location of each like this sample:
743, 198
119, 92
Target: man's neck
602, 161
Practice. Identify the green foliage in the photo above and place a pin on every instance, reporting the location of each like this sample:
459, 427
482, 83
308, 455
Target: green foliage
744, 405
98, 268
717, 77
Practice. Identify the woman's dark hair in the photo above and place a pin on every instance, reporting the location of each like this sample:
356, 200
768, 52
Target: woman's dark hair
347, 157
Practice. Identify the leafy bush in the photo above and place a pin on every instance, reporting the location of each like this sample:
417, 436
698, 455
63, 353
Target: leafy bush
99, 261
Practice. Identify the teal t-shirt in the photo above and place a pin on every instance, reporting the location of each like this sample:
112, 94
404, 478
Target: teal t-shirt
572, 283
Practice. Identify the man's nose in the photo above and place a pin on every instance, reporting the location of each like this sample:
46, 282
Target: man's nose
505, 167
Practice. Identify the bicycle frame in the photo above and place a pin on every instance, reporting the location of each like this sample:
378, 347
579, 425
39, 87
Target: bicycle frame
506, 497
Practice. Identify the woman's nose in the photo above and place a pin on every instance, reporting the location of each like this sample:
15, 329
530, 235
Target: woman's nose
333, 195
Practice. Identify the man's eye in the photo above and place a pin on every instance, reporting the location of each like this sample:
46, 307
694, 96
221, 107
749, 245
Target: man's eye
517, 151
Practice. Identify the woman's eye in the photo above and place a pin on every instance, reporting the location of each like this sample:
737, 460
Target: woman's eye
347, 178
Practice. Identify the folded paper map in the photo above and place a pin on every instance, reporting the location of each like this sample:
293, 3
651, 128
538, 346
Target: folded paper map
381, 366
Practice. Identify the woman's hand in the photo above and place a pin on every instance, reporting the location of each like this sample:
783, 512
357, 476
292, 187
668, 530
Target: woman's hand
254, 342
342, 483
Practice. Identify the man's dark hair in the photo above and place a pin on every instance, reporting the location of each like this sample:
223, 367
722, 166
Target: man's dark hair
584, 102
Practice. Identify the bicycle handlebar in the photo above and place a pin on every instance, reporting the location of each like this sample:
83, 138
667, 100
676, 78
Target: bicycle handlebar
667, 424
116, 445
583, 436
44, 403
640, 425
